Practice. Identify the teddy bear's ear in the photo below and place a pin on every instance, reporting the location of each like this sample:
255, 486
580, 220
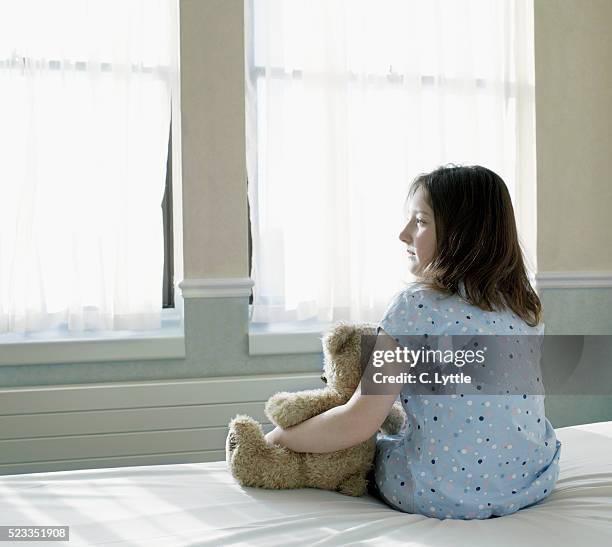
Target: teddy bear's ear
343, 335
338, 337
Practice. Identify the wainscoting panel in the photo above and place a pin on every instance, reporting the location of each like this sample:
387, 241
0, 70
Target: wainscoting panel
122, 424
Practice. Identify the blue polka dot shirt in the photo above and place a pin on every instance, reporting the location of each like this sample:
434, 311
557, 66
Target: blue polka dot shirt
465, 456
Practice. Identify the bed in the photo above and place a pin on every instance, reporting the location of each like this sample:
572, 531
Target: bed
200, 504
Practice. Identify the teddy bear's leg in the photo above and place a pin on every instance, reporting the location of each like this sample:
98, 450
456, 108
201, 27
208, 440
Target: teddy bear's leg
343, 471
255, 462
354, 485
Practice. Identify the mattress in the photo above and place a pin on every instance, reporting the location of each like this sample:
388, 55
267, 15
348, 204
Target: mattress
200, 504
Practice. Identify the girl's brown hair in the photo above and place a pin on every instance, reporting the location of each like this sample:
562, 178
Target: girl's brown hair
477, 241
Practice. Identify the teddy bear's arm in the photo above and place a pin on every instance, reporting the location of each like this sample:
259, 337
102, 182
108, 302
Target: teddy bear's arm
287, 409
394, 421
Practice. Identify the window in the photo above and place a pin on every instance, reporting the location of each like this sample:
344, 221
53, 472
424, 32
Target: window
346, 104
86, 101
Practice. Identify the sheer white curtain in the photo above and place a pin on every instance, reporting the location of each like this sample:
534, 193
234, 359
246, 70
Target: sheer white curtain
347, 101
85, 95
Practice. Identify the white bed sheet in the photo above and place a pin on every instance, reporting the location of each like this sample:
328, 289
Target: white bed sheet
200, 504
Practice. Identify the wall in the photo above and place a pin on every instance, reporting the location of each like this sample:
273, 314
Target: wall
573, 48
214, 161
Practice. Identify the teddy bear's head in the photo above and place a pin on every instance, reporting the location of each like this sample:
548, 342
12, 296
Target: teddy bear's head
345, 349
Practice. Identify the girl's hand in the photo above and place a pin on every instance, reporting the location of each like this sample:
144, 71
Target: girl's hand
274, 436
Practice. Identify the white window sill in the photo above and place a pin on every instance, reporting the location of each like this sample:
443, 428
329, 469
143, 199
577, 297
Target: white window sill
63, 347
286, 338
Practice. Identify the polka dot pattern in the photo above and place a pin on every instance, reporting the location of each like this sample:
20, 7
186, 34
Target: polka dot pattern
464, 456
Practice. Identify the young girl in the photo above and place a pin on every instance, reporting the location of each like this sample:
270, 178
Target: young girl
462, 455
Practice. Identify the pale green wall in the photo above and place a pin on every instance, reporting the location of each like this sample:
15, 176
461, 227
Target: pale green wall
565, 410
581, 311
216, 345
577, 311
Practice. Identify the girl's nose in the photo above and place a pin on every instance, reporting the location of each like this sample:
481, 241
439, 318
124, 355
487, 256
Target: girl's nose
405, 235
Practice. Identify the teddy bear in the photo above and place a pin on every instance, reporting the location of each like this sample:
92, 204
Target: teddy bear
255, 462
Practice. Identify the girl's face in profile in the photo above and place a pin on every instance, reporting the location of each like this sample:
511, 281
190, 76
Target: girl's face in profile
419, 234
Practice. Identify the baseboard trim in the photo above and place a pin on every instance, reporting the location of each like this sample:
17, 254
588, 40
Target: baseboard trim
573, 280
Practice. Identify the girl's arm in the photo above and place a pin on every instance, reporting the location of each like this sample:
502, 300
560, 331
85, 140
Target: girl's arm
349, 424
